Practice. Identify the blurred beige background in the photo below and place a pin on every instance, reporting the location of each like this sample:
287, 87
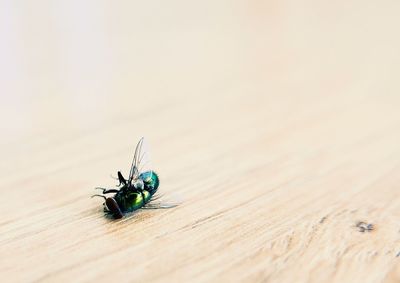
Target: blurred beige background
277, 121
72, 59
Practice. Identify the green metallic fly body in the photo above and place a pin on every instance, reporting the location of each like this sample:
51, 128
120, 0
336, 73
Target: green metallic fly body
135, 192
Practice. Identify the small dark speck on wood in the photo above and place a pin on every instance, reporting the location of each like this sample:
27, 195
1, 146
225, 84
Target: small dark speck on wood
398, 254
362, 226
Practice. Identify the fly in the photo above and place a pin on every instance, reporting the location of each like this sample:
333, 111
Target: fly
136, 192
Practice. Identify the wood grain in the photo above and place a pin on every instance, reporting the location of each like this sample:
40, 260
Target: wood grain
275, 122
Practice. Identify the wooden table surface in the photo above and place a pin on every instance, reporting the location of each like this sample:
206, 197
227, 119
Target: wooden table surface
275, 123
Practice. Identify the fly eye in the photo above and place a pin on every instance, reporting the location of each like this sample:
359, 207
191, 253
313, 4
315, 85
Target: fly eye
148, 180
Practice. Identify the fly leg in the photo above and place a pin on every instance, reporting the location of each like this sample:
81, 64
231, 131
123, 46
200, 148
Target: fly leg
107, 191
121, 179
104, 204
101, 196
111, 206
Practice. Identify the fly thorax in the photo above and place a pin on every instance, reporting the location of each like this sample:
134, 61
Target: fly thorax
139, 185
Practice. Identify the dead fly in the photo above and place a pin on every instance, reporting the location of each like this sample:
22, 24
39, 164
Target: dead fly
138, 191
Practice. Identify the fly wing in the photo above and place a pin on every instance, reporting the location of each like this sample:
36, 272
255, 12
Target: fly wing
144, 161
134, 171
164, 201
140, 161
159, 205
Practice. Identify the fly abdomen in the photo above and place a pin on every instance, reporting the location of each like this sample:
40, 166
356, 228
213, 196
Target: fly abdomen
134, 201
